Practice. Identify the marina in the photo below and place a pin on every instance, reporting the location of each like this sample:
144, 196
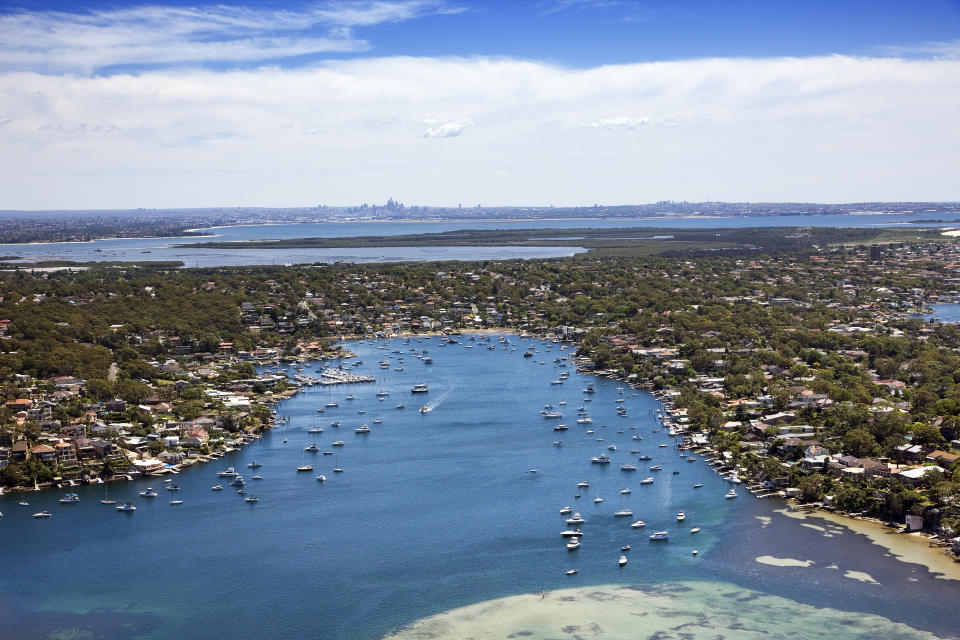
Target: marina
438, 480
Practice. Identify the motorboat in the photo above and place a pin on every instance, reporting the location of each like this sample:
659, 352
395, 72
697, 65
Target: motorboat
625, 547
660, 535
255, 465
176, 502
698, 485
338, 443
312, 448
400, 406
573, 544
229, 472
695, 530
576, 519
601, 459
647, 481
624, 491
628, 467
681, 516
639, 524
251, 499
597, 500
148, 493
312, 430
656, 467
42, 514
257, 478
585, 420
70, 498
623, 513
362, 430
566, 510
419, 388
128, 507
305, 467
571, 533
623, 561
583, 485
571, 572
321, 478
731, 494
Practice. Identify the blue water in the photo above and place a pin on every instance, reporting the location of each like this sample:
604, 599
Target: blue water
147, 249
431, 512
948, 312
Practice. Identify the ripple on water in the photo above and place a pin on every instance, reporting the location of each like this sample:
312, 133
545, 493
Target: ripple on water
688, 610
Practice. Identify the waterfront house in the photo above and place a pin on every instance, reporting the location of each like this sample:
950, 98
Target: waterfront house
44, 452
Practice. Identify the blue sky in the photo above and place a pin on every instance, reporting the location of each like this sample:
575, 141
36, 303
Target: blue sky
515, 102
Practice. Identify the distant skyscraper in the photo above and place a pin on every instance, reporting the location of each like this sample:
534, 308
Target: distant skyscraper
876, 253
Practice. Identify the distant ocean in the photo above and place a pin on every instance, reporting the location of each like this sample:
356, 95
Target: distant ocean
150, 249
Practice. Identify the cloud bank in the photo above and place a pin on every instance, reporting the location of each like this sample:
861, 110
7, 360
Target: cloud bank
517, 132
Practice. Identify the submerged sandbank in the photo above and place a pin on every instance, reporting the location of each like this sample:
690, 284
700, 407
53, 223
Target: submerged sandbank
906, 547
688, 610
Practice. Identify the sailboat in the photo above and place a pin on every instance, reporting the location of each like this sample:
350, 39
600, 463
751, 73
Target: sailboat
337, 468
106, 495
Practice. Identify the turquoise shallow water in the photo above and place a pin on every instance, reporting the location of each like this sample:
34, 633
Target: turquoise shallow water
432, 512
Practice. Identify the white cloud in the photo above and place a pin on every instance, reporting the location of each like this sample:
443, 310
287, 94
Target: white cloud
83, 41
445, 129
828, 128
949, 49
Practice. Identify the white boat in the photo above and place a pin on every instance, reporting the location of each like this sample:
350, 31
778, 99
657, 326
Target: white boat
597, 500
312, 430
251, 499
576, 519
176, 502
623, 513
628, 467
681, 516
305, 467
571, 572
565, 510
695, 530
217, 487
731, 494
639, 524
400, 406
149, 493
571, 533
573, 544
255, 465
583, 485
698, 485
647, 481
322, 478
624, 491
128, 507
229, 472
601, 459
660, 535
70, 498
585, 420
419, 388
623, 561
338, 443
362, 430
42, 514
312, 448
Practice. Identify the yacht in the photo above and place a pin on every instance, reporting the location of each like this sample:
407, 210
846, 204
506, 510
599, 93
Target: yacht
419, 388
70, 498
731, 494
305, 467
332, 404
149, 493
695, 530
623, 513
624, 491
639, 524
335, 424
251, 499
585, 420
565, 510
698, 485
363, 429
660, 535
597, 500
338, 443
217, 487
656, 467
176, 502
229, 472
681, 516
576, 519
583, 485
400, 406
601, 459
351, 397
573, 544
321, 478
571, 533
128, 507
255, 465
628, 467
313, 430
647, 481
623, 561
571, 572
42, 514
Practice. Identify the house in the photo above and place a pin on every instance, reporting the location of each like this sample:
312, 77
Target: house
66, 454
944, 458
115, 406
916, 475
44, 452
